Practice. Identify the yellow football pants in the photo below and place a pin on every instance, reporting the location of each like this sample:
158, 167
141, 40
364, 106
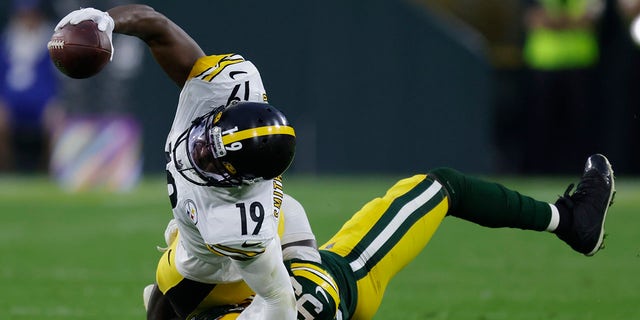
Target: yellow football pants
387, 234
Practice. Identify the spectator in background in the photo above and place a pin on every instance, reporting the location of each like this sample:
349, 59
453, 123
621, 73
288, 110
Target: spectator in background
561, 51
29, 113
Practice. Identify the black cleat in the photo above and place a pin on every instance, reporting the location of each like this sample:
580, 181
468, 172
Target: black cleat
589, 205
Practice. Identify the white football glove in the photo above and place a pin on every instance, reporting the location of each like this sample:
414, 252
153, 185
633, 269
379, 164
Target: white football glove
102, 19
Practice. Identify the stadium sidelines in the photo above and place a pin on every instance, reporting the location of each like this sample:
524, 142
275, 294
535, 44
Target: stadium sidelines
88, 255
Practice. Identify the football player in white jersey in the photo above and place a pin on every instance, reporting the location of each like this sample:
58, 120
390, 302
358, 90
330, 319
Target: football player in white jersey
225, 153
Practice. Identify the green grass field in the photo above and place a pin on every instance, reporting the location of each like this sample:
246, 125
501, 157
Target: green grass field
88, 256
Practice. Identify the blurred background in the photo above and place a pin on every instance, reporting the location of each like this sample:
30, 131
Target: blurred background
519, 89
377, 86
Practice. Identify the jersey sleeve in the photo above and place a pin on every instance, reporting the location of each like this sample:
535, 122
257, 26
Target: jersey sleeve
267, 276
298, 240
317, 293
216, 80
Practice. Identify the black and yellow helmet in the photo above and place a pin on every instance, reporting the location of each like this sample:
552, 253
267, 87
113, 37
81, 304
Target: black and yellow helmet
239, 144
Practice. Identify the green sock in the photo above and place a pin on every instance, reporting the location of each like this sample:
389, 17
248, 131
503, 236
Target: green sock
491, 204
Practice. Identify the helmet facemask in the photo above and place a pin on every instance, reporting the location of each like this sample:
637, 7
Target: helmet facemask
202, 147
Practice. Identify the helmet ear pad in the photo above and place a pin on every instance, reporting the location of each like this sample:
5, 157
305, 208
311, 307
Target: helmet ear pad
261, 156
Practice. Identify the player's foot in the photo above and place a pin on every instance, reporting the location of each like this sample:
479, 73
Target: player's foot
589, 205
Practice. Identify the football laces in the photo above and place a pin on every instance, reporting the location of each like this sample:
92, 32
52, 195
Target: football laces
55, 44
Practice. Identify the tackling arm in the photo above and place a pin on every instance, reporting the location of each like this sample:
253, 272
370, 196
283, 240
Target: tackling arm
174, 50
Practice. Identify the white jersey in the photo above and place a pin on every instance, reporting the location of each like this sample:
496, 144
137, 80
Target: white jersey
215, 81
219, 223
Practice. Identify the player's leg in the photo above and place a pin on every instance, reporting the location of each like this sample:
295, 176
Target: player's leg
185, 295
157, 305
577, 219
491, 204
173, 295
387, 234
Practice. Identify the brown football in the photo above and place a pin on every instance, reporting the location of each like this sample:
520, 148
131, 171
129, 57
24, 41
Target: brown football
81, 50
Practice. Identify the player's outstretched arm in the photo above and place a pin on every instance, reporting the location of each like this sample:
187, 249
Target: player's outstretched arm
174, 50
267, 277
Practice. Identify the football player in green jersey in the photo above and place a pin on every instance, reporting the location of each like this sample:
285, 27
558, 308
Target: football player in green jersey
357, 263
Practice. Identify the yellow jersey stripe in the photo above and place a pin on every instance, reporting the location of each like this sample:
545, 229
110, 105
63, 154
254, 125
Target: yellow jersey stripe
205, 63
223, 64
315, 268
232, 252
209, 66
312, 275
257, 132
